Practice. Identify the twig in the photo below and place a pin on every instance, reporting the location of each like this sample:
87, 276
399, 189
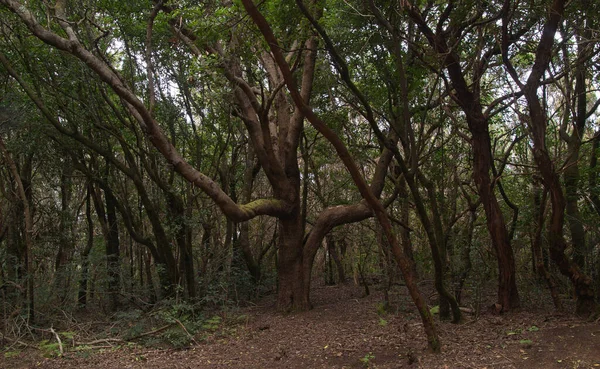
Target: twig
157, 330
106, 340
467, 310
120, 340
16, 341
186, 331
99, 347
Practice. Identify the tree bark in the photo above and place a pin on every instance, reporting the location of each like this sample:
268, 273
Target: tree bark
113, 260
470, 102
333, 254
537, 125
344, 155
540, 198
28, 251
571, 174
292, 269
65, 246
85, 262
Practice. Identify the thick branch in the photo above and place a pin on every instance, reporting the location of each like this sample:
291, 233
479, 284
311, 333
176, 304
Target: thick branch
153, 130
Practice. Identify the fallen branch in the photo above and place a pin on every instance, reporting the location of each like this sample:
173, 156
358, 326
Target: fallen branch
102, 340
467, 310
149, 333
60, 345
16, 341
121, 340
186, 331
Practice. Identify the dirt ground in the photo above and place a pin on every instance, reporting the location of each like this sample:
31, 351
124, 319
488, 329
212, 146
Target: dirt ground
346, 330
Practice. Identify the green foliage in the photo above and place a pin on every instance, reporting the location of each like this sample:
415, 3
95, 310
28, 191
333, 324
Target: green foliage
177, 324
11, 354
382, 308
365, 360
212, 324
49, 348
179, 316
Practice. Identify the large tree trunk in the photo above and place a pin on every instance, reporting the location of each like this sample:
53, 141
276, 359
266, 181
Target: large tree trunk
508, 296
292, 270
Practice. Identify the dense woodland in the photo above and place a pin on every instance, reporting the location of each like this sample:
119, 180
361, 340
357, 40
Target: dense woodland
206, 153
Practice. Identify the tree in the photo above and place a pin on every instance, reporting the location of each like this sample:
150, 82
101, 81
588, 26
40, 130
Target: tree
275, 136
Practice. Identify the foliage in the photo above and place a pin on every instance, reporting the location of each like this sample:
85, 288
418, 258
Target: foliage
49, 348
365, 360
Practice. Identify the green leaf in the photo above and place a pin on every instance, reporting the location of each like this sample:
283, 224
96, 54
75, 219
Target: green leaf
68, 335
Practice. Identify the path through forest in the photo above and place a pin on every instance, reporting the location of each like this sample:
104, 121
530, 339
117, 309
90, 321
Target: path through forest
345, 330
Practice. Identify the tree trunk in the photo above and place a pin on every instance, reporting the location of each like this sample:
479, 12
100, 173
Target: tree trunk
536, 244
25, 195
65, 246
250, 172
405, 238
582, 283
113, 261
292, 271
333, 254
571, 173
184, 242
593, 175
537, 125
15, 248
469, 99
85, 262
152, 297
508, 296
465, 253
244, 245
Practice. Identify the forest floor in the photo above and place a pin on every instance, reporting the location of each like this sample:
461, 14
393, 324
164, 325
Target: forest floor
347, 330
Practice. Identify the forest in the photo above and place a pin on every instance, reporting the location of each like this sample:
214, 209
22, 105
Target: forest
199, 174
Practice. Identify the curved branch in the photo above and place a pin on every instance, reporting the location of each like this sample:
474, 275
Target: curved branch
155, 134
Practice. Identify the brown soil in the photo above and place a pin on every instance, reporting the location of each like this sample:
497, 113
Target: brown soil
344, 330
